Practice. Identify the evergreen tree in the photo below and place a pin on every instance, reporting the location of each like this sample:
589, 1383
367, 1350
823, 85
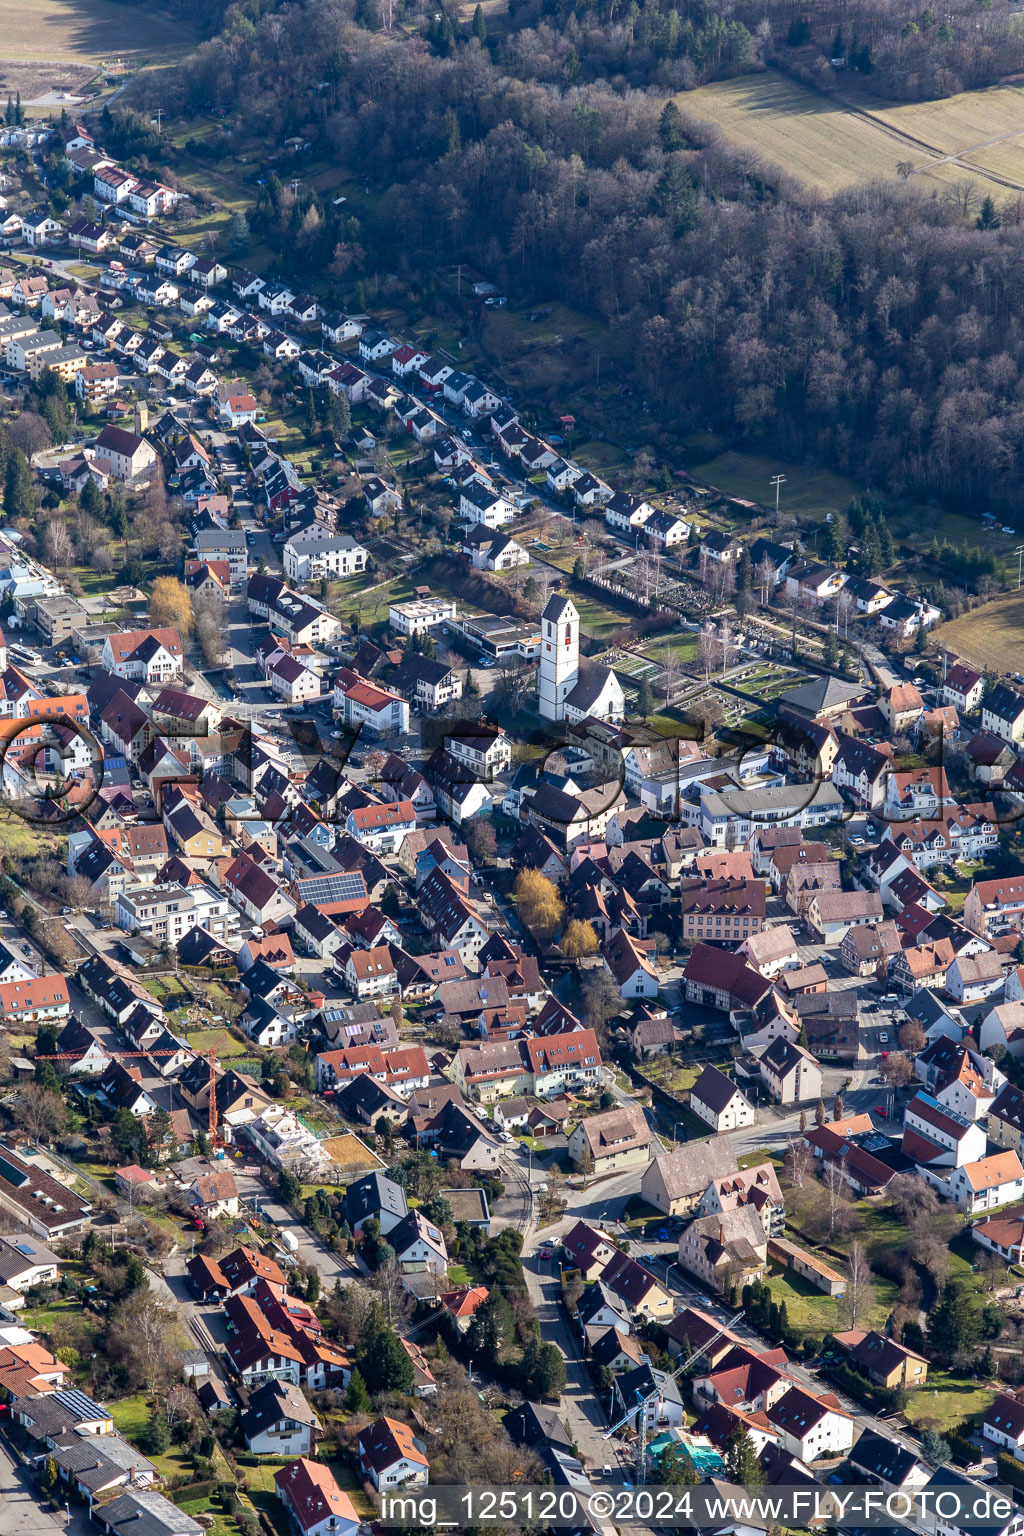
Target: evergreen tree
835, 540
357, 1398
19, 116
744, 572
18, 498
340, 416
954, 1323
452, 133
934, 1448
819, 1113
741, 1463
479, 25
677, 197
988, 218
645, 698
838, 46
91, 498
870, 552
158, 1436
543, 1368
675, 1469
885, 542
310, 418
383, 1360
9, 112
237, 232
831, 649
670, 129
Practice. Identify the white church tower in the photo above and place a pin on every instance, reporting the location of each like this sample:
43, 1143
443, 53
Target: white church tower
559, 667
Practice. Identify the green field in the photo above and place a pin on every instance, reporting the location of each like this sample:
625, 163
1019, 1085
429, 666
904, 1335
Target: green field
86, 31
830, 145
808, 494
991, 637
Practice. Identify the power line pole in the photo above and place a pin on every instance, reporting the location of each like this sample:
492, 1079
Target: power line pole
777, 481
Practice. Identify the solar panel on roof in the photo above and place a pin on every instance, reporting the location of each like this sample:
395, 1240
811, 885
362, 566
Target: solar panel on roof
79, 1403
25, 1249
328, 888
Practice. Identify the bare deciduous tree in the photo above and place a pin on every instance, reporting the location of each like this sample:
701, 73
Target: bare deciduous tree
706, 650
797, 1162
765, 574
39, 1111
859, 1292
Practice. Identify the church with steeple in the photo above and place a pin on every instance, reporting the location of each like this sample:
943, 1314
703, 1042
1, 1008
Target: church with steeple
562, 692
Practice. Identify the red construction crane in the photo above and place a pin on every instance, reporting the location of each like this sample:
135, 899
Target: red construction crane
211, 1056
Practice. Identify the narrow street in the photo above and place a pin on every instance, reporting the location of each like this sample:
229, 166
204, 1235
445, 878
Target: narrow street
21, 1513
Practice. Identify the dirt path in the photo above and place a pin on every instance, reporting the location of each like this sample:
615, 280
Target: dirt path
939, 157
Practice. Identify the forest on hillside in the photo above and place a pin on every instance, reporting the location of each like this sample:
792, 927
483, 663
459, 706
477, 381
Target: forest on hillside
880, 331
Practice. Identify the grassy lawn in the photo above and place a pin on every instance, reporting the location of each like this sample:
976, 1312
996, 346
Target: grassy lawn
762, 1155
674, 1078
271, 1506
131, 1415
226, 1045
811, 1311
260, 1477
541, 1148
808, 493
681, 646
165, 989
598, 619
464, 1274
20, 839
42, 1319
53, 29
944, 1400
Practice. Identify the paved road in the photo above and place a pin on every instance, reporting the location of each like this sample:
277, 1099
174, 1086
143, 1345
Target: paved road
311, 1250
20, 1512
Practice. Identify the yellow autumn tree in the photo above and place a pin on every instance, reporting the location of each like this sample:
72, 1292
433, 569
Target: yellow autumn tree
171, 606
538, 903
579, 939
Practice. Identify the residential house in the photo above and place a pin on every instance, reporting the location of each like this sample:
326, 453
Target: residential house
618, 1138
310, 1493
675, 1182
715, 1099
726, 1249
391, 1457
279, 1421
791, 1074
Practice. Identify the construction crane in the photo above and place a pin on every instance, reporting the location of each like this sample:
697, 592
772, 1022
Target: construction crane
211, 1057
639, 1411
